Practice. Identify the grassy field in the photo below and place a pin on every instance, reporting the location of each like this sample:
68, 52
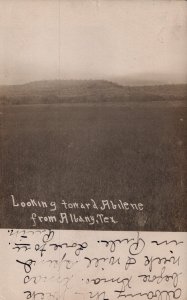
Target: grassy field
136, 154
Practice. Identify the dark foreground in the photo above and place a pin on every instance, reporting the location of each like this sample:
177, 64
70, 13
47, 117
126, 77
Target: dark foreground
77, 153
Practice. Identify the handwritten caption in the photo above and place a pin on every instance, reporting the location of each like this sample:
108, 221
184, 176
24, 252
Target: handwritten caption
98, 265
75, 212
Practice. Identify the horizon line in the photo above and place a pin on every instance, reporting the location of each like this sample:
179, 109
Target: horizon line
112, 80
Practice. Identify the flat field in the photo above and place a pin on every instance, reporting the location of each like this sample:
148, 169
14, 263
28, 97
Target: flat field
78, 152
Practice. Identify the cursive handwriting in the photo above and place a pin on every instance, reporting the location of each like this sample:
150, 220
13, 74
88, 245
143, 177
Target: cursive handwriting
97, 265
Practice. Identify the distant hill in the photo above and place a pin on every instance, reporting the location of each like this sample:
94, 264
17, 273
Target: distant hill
83, 91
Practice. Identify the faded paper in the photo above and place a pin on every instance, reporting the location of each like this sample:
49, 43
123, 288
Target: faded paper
100, 265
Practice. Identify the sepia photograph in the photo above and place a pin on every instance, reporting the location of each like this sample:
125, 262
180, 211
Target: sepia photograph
93, 107
93, 140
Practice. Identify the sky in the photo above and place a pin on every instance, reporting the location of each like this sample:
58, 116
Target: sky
92, 39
